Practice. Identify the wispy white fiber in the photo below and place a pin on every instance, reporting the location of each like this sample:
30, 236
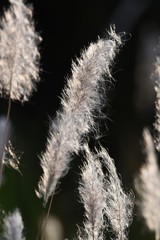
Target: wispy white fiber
156, 78
93, 197
19, 55
13, 226
81, 101
147, 185
119, 205
107, 206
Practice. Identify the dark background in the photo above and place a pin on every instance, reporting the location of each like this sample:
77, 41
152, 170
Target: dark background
66, 28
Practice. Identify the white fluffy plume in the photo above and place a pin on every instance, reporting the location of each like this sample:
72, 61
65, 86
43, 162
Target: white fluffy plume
19, 55
103, 197
147, 185
119, 204
93, 197
13, 226
81, 101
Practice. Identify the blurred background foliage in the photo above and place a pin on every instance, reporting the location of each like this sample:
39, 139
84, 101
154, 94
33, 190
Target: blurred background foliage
67, 27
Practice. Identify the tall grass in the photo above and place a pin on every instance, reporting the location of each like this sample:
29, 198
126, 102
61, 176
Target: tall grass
19, 59
108, 207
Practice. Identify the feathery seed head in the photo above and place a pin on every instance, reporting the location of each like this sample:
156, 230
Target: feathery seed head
81, 103
103, 196
147, 185
92, 196
119, 205
19, 55
156, 78
13, 226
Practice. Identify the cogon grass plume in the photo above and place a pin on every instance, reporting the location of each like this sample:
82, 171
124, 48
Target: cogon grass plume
81, 100
19, 58
19, 54
156, 78
13, 226
147, 185
107, 206
119, 204
93, 197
